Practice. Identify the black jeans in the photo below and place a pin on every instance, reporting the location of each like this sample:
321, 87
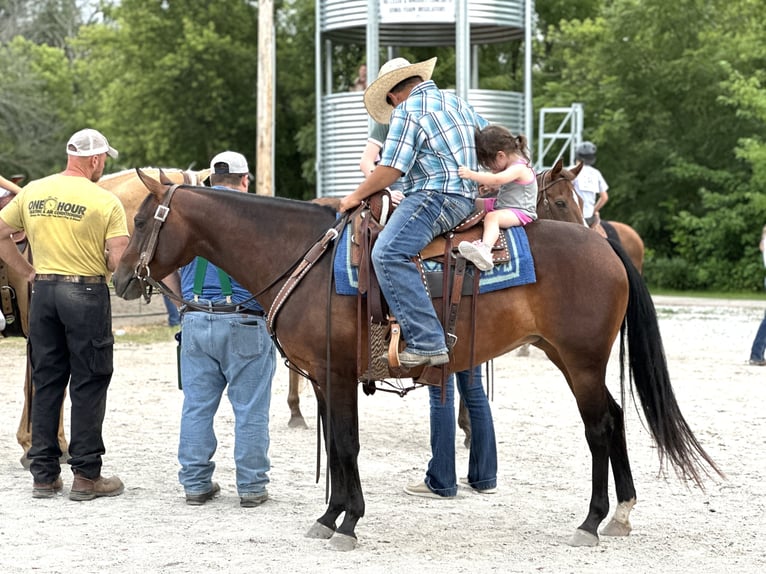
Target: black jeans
70, 340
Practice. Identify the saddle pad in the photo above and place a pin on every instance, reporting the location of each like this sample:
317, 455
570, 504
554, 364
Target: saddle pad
520, 270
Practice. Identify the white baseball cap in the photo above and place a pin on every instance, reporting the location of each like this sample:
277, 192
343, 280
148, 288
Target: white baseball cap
229, 162
89, 142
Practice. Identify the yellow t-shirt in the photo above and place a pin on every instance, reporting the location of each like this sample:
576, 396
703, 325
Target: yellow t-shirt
67, 220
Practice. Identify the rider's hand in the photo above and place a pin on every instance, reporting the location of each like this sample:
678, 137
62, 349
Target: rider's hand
396, 196
348, 203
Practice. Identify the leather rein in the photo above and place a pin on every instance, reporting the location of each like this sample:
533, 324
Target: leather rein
297, 271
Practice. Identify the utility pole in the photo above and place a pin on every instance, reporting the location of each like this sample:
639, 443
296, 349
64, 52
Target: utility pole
264, 145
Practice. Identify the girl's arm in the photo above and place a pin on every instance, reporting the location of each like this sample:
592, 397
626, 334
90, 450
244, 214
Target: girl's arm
512, 173
9, 185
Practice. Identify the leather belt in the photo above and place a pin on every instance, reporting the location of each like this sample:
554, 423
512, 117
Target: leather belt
216, 309
70, 278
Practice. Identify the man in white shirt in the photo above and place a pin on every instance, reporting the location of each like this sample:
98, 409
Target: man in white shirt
590, 184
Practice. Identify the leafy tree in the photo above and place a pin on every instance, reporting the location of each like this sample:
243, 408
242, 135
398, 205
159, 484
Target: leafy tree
171, 83
36, 108
650, 75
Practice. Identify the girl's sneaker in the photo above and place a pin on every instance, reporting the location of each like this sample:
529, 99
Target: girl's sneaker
477, 253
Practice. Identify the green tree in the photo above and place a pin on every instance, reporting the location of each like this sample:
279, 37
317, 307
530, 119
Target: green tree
36, 108
171, 83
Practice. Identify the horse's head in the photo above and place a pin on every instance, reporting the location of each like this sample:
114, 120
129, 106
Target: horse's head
556, 196
147, 259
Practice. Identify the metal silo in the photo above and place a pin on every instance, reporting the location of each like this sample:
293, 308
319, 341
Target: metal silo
342, 122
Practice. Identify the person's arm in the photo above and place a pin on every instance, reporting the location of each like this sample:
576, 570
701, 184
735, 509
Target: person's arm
382, 177
173, 282
603, 196
369, 155
9, 185
115, 247
10, 253
509, 174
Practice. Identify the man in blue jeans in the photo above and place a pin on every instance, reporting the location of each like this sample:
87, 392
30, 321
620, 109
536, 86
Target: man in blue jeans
226, 345
431, 135
440, 481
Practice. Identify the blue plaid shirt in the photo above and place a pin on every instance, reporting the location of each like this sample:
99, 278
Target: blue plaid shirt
430, 136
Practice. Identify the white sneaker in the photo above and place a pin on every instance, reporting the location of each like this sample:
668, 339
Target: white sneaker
477, 253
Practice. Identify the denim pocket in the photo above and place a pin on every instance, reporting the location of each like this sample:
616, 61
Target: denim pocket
102, 354
248, 337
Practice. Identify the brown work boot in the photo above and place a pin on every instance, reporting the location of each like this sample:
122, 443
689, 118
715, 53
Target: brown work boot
47, 489
88, 489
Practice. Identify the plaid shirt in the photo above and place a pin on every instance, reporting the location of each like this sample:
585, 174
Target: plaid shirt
430, 136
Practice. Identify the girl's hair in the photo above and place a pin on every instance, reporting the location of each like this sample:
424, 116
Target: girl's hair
493, 139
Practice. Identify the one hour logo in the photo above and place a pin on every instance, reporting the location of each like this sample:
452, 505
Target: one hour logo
52, 207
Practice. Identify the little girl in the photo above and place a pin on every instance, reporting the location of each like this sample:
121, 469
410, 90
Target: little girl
507, 157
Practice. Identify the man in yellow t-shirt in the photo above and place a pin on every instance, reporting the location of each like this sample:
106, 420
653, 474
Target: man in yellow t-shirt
77, 232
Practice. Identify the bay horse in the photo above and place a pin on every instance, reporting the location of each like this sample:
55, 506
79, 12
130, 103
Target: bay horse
131, 192
269, 242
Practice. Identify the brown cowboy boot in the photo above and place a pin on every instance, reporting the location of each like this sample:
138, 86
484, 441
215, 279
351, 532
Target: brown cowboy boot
90, 488
47, 489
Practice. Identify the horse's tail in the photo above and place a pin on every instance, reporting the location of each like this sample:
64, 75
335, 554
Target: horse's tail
675, 440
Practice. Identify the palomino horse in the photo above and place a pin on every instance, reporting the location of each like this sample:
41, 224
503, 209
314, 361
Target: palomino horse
131, 192
273, 243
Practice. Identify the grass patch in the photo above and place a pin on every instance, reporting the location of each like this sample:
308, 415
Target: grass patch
746, 296
144, 334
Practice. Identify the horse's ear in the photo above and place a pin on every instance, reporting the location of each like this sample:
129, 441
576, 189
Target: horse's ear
575, 171
164, 178
557, 167
154, 186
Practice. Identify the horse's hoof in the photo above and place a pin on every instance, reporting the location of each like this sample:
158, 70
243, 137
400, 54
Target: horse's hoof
297, 422
583, 538
615, 528
342, 542
320, 531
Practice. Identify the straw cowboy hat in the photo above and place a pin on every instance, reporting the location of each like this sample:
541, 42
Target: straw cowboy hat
391, 73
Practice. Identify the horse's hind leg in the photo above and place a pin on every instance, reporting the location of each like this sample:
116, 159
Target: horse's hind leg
591, 396
293, 402
464, 422
619, 525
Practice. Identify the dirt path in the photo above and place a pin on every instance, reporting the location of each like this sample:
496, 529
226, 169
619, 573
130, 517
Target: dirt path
544, 483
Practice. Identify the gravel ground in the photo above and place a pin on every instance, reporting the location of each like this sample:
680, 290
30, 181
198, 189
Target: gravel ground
544, 475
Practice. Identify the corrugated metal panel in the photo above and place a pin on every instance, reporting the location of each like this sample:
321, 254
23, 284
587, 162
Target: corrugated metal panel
491, 21
345, 129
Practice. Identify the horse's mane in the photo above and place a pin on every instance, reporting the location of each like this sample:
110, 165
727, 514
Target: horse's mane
308, 206
202, 174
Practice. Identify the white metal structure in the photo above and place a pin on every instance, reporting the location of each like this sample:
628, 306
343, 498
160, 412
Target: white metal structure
560, 132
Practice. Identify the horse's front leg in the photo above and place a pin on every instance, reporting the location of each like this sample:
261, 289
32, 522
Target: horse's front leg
342, 438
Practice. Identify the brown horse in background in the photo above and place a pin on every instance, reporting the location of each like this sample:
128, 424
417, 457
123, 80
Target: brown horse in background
131, 192
318, 331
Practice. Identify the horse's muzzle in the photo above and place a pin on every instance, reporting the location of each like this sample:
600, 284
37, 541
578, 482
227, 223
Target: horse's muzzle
128, 288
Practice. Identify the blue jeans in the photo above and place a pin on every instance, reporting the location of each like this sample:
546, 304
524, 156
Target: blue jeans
419, 218
219, 350
482, 461
759, 343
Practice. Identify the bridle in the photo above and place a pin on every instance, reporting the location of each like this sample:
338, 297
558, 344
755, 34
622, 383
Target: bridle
542, 190
293, 274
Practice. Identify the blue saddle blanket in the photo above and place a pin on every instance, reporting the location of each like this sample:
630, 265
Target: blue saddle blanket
520, 270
